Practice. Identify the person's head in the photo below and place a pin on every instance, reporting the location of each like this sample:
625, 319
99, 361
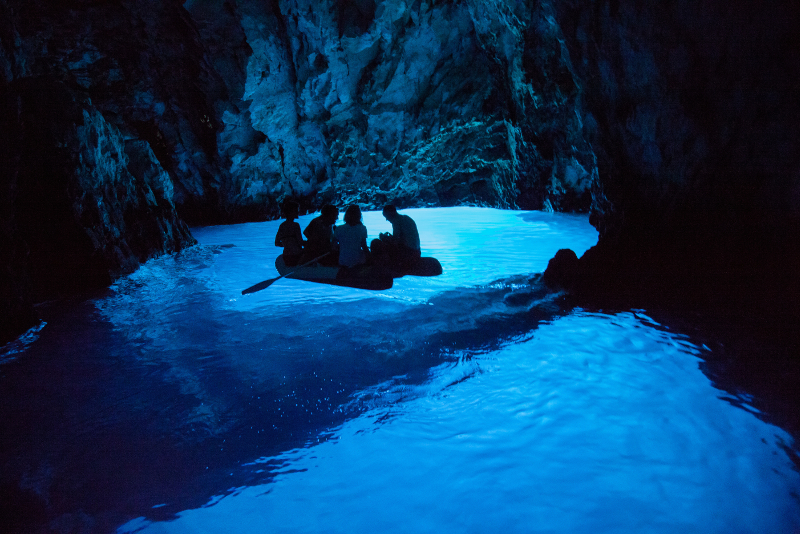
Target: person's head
329, 214
353, 215
291, 209
390, 212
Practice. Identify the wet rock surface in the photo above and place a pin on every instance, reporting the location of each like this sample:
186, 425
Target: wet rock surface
99, 105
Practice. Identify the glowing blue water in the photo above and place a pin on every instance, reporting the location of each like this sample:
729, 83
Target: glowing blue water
452, 404
595, 424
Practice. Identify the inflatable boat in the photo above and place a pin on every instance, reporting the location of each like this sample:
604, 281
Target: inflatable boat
361, 277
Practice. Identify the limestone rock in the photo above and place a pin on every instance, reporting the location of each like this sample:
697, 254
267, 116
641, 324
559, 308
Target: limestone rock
81, 205
562, 270
692, 112
245, 102
417, 104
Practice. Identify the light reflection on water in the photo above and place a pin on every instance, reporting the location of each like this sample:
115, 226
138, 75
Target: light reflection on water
477, 246
444, 404
598, 423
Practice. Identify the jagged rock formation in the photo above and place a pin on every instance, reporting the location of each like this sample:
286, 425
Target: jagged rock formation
694, 113
82, 204
84, 197
420, 103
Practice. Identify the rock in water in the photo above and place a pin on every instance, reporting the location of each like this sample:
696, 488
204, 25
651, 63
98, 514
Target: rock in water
562, 269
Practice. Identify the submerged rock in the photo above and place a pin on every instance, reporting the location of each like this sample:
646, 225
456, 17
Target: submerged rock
562, 270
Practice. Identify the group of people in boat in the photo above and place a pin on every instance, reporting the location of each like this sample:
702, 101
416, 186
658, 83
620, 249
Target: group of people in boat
345, 245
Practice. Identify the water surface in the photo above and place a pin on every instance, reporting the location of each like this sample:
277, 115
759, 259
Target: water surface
470, 402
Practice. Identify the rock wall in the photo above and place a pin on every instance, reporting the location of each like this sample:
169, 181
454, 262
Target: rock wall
416, 103
693, 106
84, 198
83, 204
216, 110
693, 110
245, 102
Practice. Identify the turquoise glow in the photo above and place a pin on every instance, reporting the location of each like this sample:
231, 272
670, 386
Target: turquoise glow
470, 402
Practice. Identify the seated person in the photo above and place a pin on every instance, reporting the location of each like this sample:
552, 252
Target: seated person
399, 250
289, 236
352, 239
320, 237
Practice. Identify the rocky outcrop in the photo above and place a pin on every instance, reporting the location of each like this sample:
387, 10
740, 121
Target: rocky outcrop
82, 204
692, 107
415, 103
145, 69
97, 101
694, 122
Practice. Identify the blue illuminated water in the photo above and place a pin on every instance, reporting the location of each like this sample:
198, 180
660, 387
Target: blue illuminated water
470, 402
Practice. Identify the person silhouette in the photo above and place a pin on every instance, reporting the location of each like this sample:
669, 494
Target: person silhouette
352, 239
289, 236
399, 250
320, 237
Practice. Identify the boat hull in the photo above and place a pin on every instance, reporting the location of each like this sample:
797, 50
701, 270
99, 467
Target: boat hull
425, 266
363, 277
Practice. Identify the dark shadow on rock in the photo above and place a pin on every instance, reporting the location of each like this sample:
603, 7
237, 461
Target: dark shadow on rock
83, 205
562, 269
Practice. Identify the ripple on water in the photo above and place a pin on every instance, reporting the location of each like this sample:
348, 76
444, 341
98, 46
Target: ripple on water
597, 423
451, 404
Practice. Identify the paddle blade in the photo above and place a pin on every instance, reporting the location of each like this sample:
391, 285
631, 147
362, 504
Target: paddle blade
259, 286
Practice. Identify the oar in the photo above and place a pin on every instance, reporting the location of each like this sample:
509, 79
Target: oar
266, 283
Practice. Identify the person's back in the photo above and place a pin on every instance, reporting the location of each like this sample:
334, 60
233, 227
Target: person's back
289, 236
405, 230
352, 239
399, 250
320, 235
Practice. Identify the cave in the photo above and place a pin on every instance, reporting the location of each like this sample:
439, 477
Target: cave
637, 162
